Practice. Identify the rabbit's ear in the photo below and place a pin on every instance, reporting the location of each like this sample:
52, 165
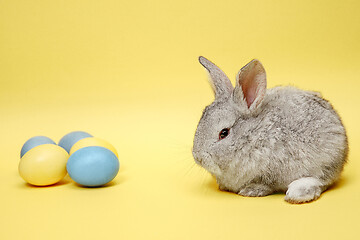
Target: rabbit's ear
220, 82
250, 87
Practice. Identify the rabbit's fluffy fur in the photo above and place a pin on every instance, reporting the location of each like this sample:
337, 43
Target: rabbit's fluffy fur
281, 139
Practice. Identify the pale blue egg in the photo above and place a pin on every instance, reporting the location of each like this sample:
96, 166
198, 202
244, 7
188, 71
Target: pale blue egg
93, 166
70, 139
34, 142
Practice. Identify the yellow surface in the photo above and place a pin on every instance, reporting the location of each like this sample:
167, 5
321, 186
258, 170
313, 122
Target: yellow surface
128, 71
92, 141
44, 165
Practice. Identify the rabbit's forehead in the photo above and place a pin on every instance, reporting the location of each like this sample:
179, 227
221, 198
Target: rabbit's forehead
218, 114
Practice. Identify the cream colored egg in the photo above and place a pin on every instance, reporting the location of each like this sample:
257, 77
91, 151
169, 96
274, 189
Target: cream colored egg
93, 141
44, 165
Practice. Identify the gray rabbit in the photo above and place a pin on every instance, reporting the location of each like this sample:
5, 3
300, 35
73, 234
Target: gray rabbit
256, 141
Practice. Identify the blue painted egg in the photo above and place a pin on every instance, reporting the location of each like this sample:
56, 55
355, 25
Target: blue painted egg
93, 166
34, 142
70, 139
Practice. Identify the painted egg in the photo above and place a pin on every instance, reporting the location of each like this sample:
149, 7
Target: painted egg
93, 166
70, 139
34, 142
44, 165
93, 141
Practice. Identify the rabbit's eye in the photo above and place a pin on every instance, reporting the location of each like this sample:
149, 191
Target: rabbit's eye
223, 133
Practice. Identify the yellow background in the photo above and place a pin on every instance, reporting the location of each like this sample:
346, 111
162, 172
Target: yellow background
127, 72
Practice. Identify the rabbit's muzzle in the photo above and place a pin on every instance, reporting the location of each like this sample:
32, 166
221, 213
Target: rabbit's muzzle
200, 157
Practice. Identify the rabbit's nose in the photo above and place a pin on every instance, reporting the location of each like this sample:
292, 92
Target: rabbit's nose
197, 158
198, 161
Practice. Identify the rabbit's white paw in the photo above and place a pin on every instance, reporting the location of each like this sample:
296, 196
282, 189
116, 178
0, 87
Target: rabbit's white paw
303, 190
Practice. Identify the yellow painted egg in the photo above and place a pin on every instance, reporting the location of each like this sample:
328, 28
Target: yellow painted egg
91, 142
44, 165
